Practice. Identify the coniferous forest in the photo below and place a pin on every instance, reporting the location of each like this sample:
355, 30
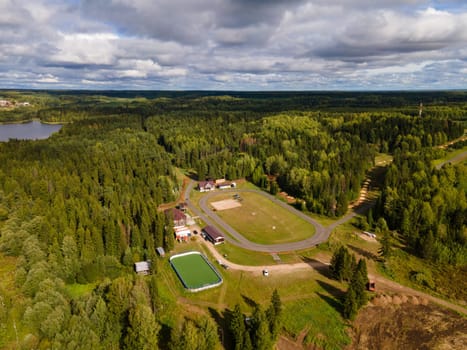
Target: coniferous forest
81, 207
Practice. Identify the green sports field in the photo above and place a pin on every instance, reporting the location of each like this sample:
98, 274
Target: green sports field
194, 271
260, 220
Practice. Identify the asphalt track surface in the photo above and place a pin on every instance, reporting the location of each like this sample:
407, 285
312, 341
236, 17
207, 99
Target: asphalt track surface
321, 233
455, 159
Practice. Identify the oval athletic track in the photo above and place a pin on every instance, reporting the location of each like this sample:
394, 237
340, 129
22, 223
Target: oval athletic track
211, 218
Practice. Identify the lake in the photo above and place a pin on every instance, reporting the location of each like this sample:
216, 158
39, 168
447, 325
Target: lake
34, 130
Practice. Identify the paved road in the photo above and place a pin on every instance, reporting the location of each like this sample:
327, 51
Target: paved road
211, 218
455, 159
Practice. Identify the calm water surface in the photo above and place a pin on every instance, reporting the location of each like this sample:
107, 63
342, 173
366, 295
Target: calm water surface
29, 131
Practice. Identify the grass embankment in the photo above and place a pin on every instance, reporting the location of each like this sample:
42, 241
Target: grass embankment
260, 220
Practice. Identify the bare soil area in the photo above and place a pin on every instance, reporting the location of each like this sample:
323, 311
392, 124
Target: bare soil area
401, 322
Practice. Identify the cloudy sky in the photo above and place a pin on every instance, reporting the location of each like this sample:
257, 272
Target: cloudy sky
234, 44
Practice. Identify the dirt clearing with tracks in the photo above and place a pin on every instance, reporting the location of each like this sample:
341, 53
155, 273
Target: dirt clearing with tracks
226, 204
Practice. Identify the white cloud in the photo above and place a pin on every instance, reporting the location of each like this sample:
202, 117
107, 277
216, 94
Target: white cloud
282, 44
82, 48
48, 78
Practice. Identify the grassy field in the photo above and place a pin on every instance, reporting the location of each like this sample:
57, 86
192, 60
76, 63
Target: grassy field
242, 256
194, 271
310, 299
77, 290
382, 159
262, 221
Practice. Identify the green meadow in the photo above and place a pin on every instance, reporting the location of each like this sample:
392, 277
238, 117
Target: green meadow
260, 220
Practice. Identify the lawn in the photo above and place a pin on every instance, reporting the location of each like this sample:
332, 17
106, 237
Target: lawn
242, 256
194, 270
262, 221
382, 159
77, 290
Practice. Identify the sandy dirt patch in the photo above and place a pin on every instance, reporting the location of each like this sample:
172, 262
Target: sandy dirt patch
226, 204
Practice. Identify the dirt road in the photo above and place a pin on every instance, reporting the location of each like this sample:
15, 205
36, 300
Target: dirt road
384, 285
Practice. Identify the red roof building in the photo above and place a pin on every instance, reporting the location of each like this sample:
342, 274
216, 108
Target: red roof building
213, 235
178, 216
204, 186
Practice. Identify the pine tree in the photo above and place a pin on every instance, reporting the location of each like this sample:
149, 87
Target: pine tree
247, 345
273, 314
385, 250
260, 330
359, 282
342, 264
208, 330
142, 329
350, 304
337, 263
369, 218
237, 327
154, 293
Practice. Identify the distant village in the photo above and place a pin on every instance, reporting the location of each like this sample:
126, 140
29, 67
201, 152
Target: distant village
9, 104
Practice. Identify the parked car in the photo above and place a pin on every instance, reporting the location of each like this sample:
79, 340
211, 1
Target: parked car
265, 272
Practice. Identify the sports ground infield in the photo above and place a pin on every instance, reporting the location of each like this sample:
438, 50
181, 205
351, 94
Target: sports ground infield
261, 220
195, 271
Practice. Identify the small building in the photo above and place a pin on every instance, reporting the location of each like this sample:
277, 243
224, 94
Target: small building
205, 186
226, 184
160, 251
182, 234
143, 267
213, 235
178, 216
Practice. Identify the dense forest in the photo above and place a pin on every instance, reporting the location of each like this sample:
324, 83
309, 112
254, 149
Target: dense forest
81, 206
